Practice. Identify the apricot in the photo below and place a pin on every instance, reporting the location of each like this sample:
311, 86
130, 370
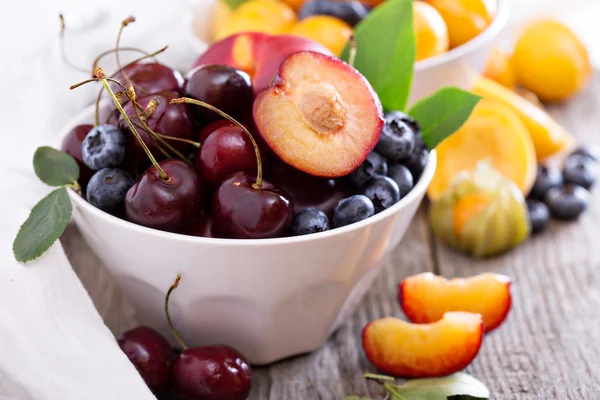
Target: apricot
465, 18
431, 32
331, 32
426, 297
499, 68
295, 4
423, 350
493, 132
266, 16
551, 61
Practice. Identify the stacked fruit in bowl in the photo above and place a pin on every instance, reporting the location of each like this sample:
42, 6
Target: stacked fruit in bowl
440, 25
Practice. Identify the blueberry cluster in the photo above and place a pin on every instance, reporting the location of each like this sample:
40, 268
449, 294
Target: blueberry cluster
387, 175
563, 195
102, 150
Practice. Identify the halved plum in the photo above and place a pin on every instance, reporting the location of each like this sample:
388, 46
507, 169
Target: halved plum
320, 115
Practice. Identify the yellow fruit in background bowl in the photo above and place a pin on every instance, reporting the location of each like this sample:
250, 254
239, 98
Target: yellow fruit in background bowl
266, 16
431, 32
295, 4
493, 133
547, 135
551, 61
500, 69
465, 18
220, 18
331, 32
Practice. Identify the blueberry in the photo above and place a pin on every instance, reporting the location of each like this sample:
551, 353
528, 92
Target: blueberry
309, 220
373, 165
382, 191
103, 147
567, 202
538, 214
580, 170
351, 11
352, 209
107, 188
402, 176
546, 179
417, 160
397, 140
590, 152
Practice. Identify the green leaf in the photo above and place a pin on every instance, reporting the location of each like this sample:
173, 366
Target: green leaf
233, 4
385, 51
54, 167
426, 393
46, 222
453, 385
443, 113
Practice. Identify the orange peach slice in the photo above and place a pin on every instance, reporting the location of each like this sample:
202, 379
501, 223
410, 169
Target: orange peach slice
423, 350
426, 297
320, 115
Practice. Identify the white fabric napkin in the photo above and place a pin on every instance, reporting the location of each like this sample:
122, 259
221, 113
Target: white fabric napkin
53, 343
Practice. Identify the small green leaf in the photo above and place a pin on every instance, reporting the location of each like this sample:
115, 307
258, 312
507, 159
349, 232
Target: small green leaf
453, 385
46, 222
425, 393
54, 167
233, 4
385, 51
443, 113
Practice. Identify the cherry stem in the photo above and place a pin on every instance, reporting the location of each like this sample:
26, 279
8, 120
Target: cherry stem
102, 77
154, 135
173, 330
75, 86
352, 55
110, 51
182, 100
125, 22
63, 50
97, 114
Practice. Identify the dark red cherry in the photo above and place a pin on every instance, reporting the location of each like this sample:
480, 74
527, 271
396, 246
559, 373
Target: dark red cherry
173, 120
170, 205
202, 228
213, 126
212, 373
225, 151
244, 212
71, 145
151, 355
222, 86
308, 191
152, 77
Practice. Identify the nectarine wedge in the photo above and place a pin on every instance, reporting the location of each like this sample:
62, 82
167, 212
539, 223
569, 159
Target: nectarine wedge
423, 350
426, 297
320, 115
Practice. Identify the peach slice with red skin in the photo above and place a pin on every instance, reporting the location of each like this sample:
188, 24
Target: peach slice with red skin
426, 297
423, 350
320, 115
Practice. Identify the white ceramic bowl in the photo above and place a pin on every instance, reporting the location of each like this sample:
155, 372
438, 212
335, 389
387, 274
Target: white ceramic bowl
269, 298
458, 67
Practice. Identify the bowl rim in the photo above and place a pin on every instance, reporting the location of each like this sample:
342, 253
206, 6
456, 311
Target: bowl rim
415, 194
488, 34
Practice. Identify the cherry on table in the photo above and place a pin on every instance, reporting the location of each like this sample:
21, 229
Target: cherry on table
170, 204
244, 210
151, 355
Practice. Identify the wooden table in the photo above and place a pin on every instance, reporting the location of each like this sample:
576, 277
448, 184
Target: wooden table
548, 348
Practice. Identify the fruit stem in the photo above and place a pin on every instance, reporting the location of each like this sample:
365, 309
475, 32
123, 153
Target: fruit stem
124, 23
97, 114
173, 330
100, 75
259, 179
75, 86
352, 55
110, 51
63, 50
156, 136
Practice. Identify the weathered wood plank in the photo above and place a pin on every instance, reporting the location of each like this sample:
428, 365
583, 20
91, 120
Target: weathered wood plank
548, 348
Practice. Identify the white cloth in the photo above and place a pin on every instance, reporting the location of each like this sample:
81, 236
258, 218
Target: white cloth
53, 343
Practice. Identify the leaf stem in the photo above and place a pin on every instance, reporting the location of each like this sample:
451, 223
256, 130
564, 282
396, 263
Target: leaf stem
352, 55
173, 330
259, 178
